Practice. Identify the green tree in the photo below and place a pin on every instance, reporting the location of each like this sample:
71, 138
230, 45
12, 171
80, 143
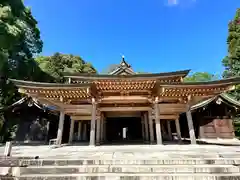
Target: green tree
58, 64
19, 38
19, 43
110, 68
142, 72
232, 61
200, 77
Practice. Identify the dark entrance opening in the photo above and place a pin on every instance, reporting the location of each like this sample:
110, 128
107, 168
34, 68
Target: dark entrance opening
115, 130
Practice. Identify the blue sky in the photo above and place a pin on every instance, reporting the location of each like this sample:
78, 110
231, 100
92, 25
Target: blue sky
153, 35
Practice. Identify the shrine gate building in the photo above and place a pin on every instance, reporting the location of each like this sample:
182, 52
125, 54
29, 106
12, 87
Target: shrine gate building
124, 105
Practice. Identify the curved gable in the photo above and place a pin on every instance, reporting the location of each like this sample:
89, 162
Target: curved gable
123, 69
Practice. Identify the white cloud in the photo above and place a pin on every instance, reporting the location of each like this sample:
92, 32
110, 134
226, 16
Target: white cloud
172, 2
180, 2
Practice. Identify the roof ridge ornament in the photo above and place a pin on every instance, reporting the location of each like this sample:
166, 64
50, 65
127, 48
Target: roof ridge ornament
123, 68
124, 63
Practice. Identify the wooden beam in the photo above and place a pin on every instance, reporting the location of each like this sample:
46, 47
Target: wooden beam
161, 90
168, 116
87, 118
123, 114
171, 105
124, 99
83, 107
77, 111
109, 109
168, 99
196, 100
57, 104
93, 91
172, 108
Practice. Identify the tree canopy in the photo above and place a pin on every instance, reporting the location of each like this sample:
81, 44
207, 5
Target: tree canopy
110, 68
232, 61
200, 77
19, 42
58, 64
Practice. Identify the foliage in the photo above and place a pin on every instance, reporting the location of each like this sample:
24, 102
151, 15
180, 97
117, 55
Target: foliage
232, 61
110, 68
58, 64
200, 77
236, 123
19, 43
142, 72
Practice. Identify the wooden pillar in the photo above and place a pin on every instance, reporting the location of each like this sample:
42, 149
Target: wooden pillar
151, 127
142, 123
231, 127
217, 126
8, 148
146, 127
102, 129
84, 138
60, 128
80, 130
71, 131
47, 127
169, 129
201, 132
178, 129
190, 126
93, 124
157, 122
98, 131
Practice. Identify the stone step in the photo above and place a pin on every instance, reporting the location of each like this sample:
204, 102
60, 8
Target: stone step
132, 176
127, 154
167, 152
130, 169
64, 162
167, 148
133, 156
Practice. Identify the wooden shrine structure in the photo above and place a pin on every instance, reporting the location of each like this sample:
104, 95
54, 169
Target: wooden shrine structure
31, 122
92, 100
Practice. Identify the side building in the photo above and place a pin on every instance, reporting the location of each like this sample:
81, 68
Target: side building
213, 118
28, 121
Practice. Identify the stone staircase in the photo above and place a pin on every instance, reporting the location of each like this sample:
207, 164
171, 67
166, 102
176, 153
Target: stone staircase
131, 164
127, 169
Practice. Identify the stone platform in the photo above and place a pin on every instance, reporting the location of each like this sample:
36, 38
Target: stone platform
145, 162
125, 151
